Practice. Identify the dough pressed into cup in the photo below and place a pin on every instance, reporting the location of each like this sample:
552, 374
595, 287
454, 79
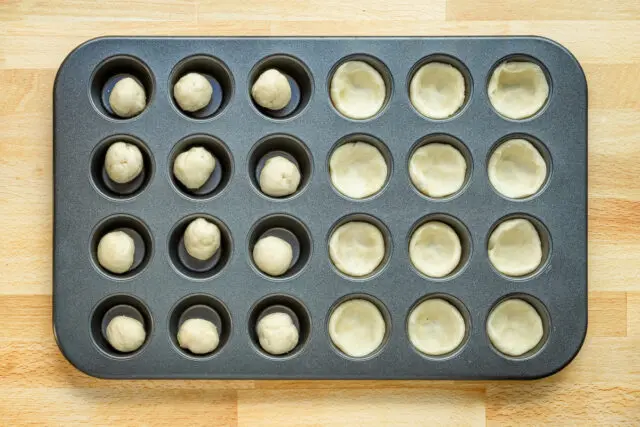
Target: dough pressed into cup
199, 336
116, 251
514, 327
358, 90
271, 90
437, 90
272, 255
194, 167
127, 98
123, 162
201, 239
357, 248
436, 327
515, 248
357, 327
518, 89
192, 92
357, 169
435, 249
125, 334
437, 169
279, 177
516, 169
277, 334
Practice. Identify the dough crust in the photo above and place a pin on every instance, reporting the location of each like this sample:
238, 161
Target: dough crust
116, 251
357, 248
437, 90
518, 89
357, 90
194, 167
127, 98
514, 327
199, 336
435, 249
271, 90
515, 248
357, 169
192, 92
516, 169
272, 255
123, 162
436, 327
277, 333
437, 169
125, 334
279, 177
201, 239
357, 327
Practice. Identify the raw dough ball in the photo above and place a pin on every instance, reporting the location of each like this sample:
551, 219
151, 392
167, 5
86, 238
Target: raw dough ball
194, 167
357, 169
125, 334
514, 327
199, 336
115, 252
435, 249
357, 327
357, 90
516, 169
123, 162
192, 92
202, 239
518, 90
271, 90
515, 248
272, 255
437, 169
437, 90
356, 248
277, 334
436, 327
127, 98
279, 177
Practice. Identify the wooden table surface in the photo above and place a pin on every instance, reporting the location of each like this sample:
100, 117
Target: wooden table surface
37, 385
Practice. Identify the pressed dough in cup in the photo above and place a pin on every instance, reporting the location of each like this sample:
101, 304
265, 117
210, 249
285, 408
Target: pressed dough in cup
514, 327
358, 169
357, 327
436, 327
437, 169
518, 89
515, 248
437, 90
435, 249
516, 169
358, 90
356, 248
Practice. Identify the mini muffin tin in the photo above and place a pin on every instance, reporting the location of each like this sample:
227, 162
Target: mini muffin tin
162, 290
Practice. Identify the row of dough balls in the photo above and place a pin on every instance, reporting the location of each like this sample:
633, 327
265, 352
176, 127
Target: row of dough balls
357, 328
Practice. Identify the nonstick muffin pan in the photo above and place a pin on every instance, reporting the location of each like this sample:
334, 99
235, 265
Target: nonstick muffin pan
162, 289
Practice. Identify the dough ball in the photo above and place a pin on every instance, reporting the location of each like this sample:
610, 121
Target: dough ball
356, 248
199, 336
437, 170
277, 334
279, 177
436, 327
357, 169
272, 255
515, 248
123, 162
516, 169
127, 98
357, 90
125, 334
437, 90
357, 327
271, 90
192, 92
514, 327
435, 249
115, 252
201, 239
194, 167
518, 90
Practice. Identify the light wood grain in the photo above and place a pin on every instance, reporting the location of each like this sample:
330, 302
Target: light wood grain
600, 387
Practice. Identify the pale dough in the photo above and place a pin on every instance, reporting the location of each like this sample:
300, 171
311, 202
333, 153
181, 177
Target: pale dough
194, 167
201, 239
357, 169
115, 252
435, 249
516, 169
123, 162
437, 169
277, 334
271, 90
357, 327
272, 255
517, 89
127, 98
436, 327
514, 327
357, 90
515, 248
125, 334
279, 177
192, 92
437, 90
356, 248
199, 336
